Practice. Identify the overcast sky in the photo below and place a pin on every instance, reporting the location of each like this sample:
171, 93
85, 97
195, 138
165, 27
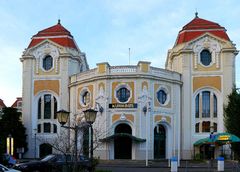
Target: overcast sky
105, 29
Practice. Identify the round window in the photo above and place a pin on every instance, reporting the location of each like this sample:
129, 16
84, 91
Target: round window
123, 94
85, 98
47, 62
161, 96
205, 57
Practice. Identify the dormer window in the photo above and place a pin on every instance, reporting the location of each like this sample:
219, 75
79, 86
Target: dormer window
47, 62
205, 57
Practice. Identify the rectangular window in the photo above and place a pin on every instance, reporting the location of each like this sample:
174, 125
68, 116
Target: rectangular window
55, 108
197, 107
47, 106
39, 128
206, 126
197, 127
214, 106
205, 104
39, 108
47, 127
215, 127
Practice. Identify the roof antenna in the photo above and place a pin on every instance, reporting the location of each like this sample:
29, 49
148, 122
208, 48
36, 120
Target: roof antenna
196, 14
129, 55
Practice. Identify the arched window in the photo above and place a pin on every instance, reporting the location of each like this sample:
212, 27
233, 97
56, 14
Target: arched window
205, 104
47, 105
205, 110
205, 57
47, 62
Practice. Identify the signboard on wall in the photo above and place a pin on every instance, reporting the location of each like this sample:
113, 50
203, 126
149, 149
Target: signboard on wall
121, 105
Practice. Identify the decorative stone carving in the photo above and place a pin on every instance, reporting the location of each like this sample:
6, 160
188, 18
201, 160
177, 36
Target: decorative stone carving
209, 43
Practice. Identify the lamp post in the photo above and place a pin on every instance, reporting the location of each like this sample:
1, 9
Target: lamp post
63, 117
212, 144
145, 109
35, 143
90, 116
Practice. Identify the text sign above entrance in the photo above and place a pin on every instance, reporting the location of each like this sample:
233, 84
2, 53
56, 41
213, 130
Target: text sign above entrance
224, 137
126, 105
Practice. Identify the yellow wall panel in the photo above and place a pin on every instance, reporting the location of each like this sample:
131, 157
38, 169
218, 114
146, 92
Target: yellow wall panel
130, 84
210, 81
41, 85
90, 88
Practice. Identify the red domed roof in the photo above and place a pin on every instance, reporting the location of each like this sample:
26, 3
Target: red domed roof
197, 27
57, 34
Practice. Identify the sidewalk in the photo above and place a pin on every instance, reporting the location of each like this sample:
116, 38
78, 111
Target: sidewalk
229, 165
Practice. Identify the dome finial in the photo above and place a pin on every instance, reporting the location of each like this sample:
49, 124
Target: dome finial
59, 21
196, 14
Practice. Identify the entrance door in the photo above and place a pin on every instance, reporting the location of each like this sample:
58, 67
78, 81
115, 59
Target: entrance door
207, 151
45, 149
123, 145
159, 142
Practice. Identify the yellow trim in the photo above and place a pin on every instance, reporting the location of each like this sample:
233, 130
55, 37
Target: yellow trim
156, 103
144, 83
130, 84
101, 68
116, 117
50, 72
90, 88
158, 118
210, 81
101, 85
210, 68
41, 85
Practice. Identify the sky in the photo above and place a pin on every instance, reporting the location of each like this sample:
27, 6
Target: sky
105, 30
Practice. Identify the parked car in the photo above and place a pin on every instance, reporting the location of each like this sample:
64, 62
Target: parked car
5, 169
51, 163
8, 160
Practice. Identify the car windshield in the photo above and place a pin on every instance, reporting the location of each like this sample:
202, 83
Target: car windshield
47, 158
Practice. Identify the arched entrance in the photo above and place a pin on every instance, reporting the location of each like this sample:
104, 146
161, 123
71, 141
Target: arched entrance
159, 142
45, 149
123, 145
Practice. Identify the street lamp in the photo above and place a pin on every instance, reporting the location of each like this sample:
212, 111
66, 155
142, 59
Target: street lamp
90, 116
145, 109
212, 144
35, 143
63, 117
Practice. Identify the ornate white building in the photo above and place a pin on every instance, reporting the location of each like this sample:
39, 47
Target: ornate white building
139, 107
